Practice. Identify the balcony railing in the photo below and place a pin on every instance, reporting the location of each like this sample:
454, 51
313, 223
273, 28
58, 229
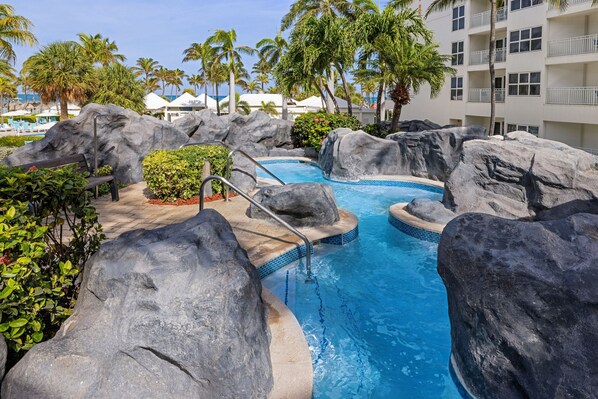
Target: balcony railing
482, 57
483, 95
569, 3
573, 45
483, 18
572, 95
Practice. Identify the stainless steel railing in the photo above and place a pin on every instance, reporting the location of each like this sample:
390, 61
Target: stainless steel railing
229, 162
293, 230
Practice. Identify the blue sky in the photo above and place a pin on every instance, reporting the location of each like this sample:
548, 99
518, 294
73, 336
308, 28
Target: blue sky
160, 29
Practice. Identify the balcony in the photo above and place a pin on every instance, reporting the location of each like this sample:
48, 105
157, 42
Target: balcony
572, 96
483, 95
483, 18
573, 46
483, 57
569, 3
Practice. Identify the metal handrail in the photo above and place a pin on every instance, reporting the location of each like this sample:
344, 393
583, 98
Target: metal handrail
293, 230
229, 162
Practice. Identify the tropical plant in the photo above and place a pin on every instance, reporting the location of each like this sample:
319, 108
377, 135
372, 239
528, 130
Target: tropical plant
252, 87
242, 106
271, 52
269, 108
162, 75
14, 29
217, 75
116, 84
61, 70
174, 79
197, 81
100, 49
225, 49
7, 89
147, 67
204, 53
312, 128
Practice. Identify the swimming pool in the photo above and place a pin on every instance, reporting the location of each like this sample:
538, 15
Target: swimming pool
376, 316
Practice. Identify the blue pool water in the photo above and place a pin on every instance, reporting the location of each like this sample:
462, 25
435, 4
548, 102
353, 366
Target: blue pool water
376, 317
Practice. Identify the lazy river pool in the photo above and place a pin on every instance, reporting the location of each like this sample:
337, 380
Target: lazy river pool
376, 316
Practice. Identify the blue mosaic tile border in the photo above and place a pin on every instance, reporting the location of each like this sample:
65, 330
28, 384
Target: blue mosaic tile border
421, 234
299, 252
342, 239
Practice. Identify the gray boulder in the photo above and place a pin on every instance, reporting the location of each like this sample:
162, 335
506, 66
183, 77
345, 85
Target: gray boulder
173, 312
203, 126
430, 211
124, 138
300, 205
416, 125
433, 154
258, 127
3, 356
522, 303
520, 176
244, 174
349, 155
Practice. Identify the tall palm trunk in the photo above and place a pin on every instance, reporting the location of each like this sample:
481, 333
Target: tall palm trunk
231, 92
217, 100
205, 86
336, 109
491, 59
64, 109
400, 96
346, 88
163, 88
330, 100
285, 108
379, 103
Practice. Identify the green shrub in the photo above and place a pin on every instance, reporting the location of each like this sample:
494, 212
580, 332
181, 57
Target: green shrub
377, 130
48, 230
5, 151
17, 141
26, 118
174, 174
312, 128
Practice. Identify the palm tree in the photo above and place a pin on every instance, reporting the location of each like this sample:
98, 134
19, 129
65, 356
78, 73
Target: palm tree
175, 80
262, 69
272, 50
147, 67
252, 87
61, 70
204, 53
269, 108
225, 50
7, 89
217, 73
197, 81
14, 29
118, 85
162, 74
243, 106
100, 49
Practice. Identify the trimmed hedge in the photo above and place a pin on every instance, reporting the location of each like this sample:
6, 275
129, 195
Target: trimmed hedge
39, 265
312, 128
17, 141
176, 174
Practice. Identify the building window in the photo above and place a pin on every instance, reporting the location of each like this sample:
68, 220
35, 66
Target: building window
519, 4
524, 84
457, 50
535, 130
459, 18
523, 40
456, 88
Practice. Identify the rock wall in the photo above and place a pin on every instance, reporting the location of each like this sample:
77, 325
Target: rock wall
154, 322
433, 154
523, 300
124, 138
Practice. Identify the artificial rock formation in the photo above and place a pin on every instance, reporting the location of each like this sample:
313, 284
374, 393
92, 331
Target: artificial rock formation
430, 211
522, 303
300, 204
433, 154
124, 138
173, 312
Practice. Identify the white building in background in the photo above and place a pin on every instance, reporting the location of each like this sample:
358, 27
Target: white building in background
314, 104
154, 103
183, 105
546, 69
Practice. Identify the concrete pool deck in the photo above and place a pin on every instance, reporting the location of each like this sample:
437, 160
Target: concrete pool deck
263, 241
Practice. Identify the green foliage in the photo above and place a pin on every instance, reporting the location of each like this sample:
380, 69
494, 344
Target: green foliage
26, 118
377, 130
17, 141
39, 209
5, 151
105, 170
118, 85
312, 128
174, 174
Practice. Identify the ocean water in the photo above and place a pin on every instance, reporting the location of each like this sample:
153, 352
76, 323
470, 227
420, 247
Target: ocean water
376, 317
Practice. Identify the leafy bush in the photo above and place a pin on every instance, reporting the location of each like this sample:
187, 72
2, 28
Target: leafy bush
104, 188
5, 151
377, 130
48, 230
17, 141
312, 128
174, 174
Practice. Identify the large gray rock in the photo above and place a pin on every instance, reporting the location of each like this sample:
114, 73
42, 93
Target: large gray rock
243, 172
124, 138
3, 356
300, 205
433, 154
523, 300
349, 155
203, 126
430, 211
170, 313
520, 176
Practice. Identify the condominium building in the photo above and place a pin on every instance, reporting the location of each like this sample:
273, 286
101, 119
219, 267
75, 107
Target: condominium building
546, 69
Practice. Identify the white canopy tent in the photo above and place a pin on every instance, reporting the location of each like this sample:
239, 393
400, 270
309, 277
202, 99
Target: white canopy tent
212, 103
20, 112
182, 106
154, 102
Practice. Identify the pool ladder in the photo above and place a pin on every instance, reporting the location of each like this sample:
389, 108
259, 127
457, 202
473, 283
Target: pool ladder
228, 184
